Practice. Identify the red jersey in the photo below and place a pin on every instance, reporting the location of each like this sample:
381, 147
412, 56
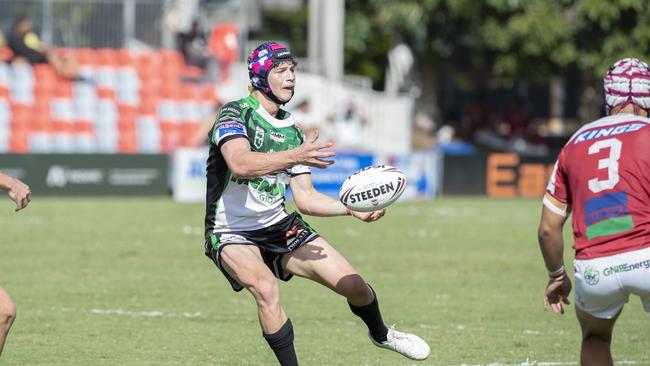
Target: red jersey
603, 172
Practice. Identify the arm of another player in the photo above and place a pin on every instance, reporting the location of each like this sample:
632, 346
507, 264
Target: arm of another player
311, 202
18, 191
551, 243
244, 163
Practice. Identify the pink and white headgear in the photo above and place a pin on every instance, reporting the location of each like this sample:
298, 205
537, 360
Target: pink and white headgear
628, 82
260, 63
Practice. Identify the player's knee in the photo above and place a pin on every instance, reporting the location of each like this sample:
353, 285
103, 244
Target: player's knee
266, 292
7, 314
358, 292
597, 337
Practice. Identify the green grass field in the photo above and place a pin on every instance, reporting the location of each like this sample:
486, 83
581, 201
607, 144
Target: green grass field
125, 282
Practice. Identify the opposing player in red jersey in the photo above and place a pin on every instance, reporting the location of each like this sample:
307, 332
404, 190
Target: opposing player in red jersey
602, 176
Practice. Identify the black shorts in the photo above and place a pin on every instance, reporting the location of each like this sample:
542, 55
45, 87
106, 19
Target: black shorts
274, 241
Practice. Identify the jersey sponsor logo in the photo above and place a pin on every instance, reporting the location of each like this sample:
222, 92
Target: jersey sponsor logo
607, 214
230, 129
591, 276
296, 237
276, 136
626, 267
231, 238
259, 137
608, 131
370, 194
232, 110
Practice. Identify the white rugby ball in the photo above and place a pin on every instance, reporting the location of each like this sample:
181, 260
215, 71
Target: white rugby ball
372, 188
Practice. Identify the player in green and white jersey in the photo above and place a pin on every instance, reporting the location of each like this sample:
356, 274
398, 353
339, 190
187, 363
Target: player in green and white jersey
256, 151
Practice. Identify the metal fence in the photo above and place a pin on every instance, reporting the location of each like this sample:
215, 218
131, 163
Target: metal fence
96, 23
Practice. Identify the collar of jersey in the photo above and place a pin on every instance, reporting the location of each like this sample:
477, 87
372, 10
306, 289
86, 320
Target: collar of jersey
277, 123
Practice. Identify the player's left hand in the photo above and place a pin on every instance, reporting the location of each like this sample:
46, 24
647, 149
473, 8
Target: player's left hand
369, 216
557, 293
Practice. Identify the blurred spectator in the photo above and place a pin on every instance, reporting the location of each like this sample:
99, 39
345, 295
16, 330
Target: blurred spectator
27, 47
348, 127
305, 118
479, 116
517, 119
193, 45
450, 144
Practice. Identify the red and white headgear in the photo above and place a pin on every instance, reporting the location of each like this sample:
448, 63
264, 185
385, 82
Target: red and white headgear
628, 82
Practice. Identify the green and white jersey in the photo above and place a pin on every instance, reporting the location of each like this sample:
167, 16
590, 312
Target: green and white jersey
248, 204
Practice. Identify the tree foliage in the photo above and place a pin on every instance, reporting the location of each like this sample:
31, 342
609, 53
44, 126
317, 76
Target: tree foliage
512, 39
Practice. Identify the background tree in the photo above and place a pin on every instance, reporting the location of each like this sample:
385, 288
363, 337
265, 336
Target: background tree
532, 40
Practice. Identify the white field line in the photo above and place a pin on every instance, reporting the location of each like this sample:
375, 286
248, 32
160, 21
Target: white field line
138, 314
547, 363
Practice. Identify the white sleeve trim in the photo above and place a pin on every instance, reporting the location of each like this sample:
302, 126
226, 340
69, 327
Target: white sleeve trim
551, 206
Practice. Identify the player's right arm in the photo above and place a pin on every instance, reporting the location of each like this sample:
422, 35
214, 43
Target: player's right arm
556, 207
229, 134
551, 244
18, 191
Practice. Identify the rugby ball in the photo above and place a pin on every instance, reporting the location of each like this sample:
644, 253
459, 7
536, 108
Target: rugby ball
372, 188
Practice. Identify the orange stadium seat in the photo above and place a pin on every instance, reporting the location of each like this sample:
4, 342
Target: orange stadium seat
106, 57
169, 91
126, 112
106, 93
63, 89
192, 72
44, 72
61, 126
83, 126
146, 61
171, 58
85, 56
44, 90
41, 123
208, 93
41, 115
19, 142
125, 57
19, 124
168, 136
126, 126
169, 74
149, 79
19, 111
127, 142
147, 106
190, 92
187, 132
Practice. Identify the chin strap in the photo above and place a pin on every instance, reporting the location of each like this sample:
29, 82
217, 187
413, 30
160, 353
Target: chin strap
273, 98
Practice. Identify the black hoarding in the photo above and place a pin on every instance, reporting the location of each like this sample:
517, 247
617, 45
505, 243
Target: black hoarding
106, 174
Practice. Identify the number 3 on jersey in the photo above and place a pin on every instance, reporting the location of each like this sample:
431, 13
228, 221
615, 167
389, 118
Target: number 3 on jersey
610, 163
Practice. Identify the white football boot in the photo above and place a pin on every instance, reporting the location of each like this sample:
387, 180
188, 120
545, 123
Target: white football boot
407, 344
